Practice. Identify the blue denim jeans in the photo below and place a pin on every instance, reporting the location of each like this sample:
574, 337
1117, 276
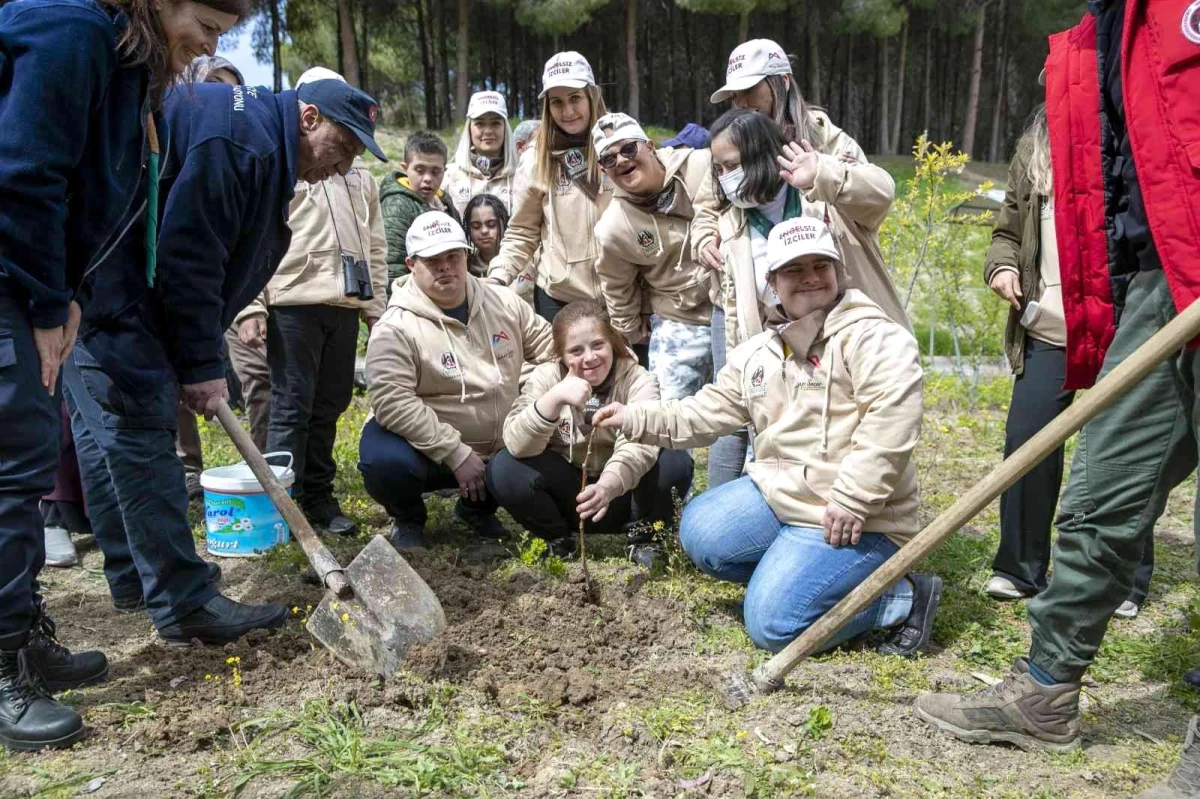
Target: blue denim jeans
792, 576
135, 490
727, 455
29, 439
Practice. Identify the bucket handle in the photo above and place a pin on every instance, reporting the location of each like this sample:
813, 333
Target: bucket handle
268, 455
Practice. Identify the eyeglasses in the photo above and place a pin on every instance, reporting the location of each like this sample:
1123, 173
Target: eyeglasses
628, 151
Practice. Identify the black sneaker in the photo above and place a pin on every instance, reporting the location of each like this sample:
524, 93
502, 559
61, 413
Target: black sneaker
566, 547
30, 719
56, 666
408, 537
129, 604
221, 620
484, 525
327, 514
913, 635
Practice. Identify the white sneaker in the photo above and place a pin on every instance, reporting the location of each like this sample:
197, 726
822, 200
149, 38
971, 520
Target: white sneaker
1002, 588
60, 550
1128, 610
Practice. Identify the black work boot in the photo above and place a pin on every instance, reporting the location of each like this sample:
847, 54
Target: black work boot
221, 620
30, 719
58, 668
482, 523
407, 536
326, 513
913, 635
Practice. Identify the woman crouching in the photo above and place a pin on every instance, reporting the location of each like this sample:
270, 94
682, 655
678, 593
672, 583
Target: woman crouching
833, 389
537, 476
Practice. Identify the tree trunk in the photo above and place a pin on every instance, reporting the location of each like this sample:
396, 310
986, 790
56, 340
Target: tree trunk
968, 136
631, 59
694, 86
427, 69
276, 56
927, 90
445, 92
346, 39
513, 85
884, 128
814, 58
1001, 85
364, 44
898, 116
743, 26
460, 72
847, 95
671, 109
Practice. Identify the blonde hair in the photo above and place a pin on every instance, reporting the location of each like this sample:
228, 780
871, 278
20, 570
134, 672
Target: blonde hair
1037, 139
544, 169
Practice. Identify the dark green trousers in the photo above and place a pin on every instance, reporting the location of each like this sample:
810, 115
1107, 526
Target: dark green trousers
1128, 460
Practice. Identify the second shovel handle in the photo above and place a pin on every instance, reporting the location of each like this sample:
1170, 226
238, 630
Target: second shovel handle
326, 566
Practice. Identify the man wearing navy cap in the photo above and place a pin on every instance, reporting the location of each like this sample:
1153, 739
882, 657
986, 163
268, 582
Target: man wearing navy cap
154, 324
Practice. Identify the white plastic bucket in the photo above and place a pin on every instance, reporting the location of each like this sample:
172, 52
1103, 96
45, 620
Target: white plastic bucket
240, 521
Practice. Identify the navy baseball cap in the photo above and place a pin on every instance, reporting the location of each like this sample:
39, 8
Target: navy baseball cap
347, 106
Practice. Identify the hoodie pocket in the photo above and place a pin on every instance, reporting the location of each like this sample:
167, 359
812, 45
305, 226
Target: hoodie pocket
320, 268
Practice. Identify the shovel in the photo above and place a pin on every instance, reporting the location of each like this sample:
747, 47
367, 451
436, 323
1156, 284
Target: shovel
741, 687
376, 607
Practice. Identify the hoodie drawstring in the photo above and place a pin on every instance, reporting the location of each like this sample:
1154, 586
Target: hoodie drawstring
824, 448
457, 363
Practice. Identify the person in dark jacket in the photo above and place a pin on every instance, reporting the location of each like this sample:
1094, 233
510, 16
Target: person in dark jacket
80, 81
156, 328
1127, 218
1023, 269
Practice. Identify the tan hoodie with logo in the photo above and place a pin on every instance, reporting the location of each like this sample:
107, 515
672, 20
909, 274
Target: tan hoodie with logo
527, 433
837, 426
852, 198
463, 180
446, 387
639, 248
311, 271
561, 220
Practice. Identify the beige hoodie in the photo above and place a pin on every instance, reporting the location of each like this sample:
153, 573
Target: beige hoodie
311, 271
639, 247
527, 433
463, 180
839, 426
446, 387
853, 199
561, 220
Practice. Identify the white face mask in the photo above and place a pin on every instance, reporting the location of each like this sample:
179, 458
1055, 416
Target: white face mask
731, 185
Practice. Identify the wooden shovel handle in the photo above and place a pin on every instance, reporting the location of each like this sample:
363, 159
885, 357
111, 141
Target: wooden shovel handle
328, 569
1182, 329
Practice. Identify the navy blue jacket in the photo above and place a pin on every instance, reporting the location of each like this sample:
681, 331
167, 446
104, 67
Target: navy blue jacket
72, 147
228, 177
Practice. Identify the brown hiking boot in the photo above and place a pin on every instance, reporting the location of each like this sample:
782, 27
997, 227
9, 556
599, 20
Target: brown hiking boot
1185, 779
1019, 710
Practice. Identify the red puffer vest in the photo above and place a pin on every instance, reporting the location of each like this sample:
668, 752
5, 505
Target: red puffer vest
1160, 73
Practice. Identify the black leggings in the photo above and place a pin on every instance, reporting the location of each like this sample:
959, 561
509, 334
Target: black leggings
540, 492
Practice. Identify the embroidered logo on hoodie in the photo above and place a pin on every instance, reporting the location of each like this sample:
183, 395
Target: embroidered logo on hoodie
565, 431
1191, 22
449, 364
645, 240
758, 382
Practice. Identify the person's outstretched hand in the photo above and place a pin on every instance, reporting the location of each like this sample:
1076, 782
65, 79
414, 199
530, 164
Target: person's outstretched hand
610, 417
798, 165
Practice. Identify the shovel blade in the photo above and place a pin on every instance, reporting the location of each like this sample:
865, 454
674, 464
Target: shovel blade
392, 609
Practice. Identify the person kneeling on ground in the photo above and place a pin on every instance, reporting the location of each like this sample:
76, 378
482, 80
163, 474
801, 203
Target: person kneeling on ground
833, 387
549, 432
443, 365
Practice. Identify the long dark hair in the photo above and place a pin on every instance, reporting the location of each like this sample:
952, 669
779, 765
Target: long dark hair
491, 201
144, 42
759, 140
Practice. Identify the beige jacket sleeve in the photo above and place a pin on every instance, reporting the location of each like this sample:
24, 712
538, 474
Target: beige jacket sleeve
392, 389
631, 461
527, 432
618, 277
696, 421
729, 292
885, 368
537, 335
705, 214
378, 256
524, 232
862, 192
257, 307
